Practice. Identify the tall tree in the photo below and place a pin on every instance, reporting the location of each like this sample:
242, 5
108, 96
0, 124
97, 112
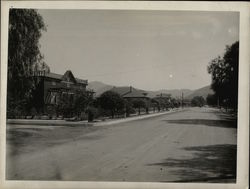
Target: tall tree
224, 72
211, 100
25, 29
112, 102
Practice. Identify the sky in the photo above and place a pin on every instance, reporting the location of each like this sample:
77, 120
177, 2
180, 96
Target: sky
150, 50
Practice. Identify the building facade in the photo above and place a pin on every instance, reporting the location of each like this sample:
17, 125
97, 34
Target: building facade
53, 88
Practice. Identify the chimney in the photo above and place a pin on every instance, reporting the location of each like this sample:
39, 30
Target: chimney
130, 89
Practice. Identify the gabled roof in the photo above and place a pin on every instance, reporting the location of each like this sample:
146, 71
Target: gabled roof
130, 92
60, 77
136, 94
121, 90
68, 76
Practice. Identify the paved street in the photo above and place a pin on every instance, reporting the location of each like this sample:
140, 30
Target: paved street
194, 145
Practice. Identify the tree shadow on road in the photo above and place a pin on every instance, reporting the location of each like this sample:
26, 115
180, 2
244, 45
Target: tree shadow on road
26, 140
214, 163
206, 122
224, 120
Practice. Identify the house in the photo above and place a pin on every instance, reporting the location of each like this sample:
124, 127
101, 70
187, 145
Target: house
131, 93
162, 101
163, 97
52, 87
137, 97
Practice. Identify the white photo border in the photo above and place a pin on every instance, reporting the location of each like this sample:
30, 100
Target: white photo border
243, 104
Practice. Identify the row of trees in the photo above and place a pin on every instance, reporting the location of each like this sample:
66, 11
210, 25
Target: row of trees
224, 72
110, 104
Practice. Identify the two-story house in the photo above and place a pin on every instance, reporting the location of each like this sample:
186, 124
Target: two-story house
51, 88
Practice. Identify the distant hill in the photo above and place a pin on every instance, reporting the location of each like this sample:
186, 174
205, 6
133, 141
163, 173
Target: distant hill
204, 91
176, 93
100, 87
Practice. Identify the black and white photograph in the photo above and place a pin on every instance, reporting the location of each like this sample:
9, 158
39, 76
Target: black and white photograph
123, 95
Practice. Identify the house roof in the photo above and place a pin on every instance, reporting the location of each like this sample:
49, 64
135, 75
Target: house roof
53, 75
81, 81
68, 76
121, 90
129, 92
136, 94
60, 77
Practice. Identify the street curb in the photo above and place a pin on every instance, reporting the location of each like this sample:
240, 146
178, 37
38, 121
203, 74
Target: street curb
84, 123
47, 122
135, 118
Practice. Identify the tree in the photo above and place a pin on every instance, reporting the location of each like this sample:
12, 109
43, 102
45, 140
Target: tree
25, 29
139, 103
82, 102
65, 106
128, 107
112, 102
174, 103
155, 104
163, 102
211, 99
198, 101
224, 72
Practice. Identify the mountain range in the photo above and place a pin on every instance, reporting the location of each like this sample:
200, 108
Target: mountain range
100, 87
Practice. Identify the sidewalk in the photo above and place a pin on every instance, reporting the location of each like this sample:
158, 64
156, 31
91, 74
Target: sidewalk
139, 117
85, 122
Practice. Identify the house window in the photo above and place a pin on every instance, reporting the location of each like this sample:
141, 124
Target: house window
52, 98
53, 83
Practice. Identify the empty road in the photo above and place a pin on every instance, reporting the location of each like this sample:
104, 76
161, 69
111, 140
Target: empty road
194, 145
